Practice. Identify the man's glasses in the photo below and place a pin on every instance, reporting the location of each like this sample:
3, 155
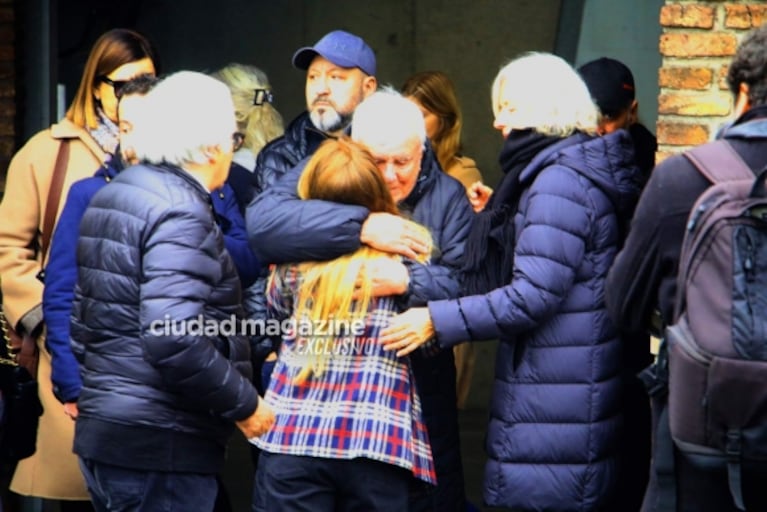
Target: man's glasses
237, 139
117, 85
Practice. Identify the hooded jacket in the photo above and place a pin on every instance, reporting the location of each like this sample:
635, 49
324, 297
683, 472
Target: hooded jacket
555, 408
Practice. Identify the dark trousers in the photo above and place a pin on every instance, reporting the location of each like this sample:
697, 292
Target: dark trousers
312, 484
117, 489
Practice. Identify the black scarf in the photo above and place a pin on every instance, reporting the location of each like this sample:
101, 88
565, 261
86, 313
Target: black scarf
490, 244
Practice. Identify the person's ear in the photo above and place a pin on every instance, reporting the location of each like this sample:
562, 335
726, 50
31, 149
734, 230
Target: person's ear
212, 153
634, 113
369, 85
742, 102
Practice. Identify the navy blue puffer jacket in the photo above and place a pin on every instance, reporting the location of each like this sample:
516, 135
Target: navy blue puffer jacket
300, 140
150, 251
555, 409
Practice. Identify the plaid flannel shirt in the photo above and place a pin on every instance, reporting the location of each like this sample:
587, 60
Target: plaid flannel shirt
364, 403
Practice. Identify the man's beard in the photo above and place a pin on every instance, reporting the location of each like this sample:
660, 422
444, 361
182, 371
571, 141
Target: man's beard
329, 120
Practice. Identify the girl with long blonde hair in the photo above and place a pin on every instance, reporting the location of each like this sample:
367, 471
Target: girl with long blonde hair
340, 400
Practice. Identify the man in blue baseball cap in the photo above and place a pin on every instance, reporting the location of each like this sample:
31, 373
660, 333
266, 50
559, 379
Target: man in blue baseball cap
340, 73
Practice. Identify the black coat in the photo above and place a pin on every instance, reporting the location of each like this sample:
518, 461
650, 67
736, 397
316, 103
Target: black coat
300, 140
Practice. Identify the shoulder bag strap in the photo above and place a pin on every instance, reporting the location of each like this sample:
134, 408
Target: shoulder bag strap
54, 196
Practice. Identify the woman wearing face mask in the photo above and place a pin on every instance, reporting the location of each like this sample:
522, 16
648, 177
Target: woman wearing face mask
87, 137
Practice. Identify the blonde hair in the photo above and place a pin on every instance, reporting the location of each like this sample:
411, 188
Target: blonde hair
340, 171
259, 122
435, 91
547, 94
113, 49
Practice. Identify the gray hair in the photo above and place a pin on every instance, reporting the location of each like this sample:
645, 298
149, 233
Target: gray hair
387, 116
184, 114
547, 94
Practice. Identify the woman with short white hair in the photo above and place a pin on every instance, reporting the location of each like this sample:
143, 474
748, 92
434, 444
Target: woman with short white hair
536, 262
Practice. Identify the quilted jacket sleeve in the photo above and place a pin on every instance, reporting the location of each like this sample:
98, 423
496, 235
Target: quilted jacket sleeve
440, 279
58, 294
550, 247
284, 228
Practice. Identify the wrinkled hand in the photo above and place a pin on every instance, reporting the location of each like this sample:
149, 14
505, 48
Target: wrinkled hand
70, 409
479, 194
387, 276
259, 422
408, 331
392, 233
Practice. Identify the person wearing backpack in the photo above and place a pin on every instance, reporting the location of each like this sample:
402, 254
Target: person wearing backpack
641, 293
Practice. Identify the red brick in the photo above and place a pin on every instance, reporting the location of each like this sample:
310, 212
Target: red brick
723, 85
692, 16
7, 146
698, 45
681, 134
7, 109
6, 15
7, 128
7, 89
6, 52
694, 105
685, 78
744, 15
7, 71
7, 35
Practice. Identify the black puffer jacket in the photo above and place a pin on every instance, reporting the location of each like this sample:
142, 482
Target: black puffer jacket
300, 140
157, 395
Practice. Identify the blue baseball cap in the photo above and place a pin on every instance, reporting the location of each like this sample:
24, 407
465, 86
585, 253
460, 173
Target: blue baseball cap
342, 49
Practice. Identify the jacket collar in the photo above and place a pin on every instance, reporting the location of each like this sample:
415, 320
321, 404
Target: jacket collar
426, 176
66, 129
182, 174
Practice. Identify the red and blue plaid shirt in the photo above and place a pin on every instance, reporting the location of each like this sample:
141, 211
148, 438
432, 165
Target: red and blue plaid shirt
363, 404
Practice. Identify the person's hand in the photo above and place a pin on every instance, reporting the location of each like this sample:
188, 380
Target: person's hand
479, 194
408, 331
386, 276
259, 422
70, 409
392, 233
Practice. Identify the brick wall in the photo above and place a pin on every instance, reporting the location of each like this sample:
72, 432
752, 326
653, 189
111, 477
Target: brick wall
698, 40
7, 87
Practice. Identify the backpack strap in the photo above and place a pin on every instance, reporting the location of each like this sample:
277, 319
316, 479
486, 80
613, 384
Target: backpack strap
718, 161
734, 477
664, 465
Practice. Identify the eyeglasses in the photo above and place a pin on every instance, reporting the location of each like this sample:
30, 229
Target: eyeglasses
237, 139
262, 96
117, 85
